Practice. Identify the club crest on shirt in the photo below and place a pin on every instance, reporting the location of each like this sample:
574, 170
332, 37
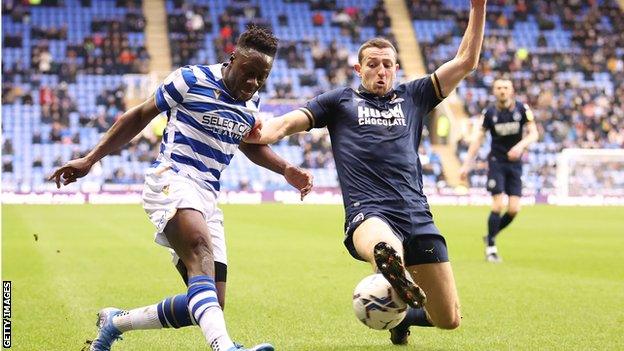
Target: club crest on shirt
517, 116
358, 218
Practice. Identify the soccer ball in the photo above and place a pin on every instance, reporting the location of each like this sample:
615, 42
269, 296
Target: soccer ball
376, 304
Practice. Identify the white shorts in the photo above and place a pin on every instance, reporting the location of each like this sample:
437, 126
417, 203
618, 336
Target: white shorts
165, 191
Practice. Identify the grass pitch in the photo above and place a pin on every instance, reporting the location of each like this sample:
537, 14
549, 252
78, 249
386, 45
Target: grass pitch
290, 280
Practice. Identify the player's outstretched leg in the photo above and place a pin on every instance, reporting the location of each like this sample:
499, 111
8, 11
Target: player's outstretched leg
190, 237
391, 266
107, 333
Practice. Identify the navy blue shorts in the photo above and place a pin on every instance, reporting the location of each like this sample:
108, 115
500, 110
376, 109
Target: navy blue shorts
504, 176
413, 225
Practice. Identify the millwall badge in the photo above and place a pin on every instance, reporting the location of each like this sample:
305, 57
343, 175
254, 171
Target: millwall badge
358, 218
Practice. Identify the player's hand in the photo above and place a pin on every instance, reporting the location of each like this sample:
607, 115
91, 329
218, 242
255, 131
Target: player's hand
515, 153
71, 171
300, 178
463, 172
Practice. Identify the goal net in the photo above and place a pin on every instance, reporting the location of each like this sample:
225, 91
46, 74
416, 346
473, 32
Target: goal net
583, 173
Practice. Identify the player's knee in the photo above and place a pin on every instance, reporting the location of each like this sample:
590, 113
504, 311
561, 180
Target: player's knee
513, 209
447, 318
497, 203
496, 207
450, 322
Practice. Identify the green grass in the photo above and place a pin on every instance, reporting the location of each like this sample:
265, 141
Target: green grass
561, 286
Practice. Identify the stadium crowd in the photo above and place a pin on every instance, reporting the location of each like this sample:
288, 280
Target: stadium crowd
564, 57
575, 91
43, 70
330, 61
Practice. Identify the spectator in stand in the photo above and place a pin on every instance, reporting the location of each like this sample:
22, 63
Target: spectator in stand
318, 19
7, 166
7, 147
283, 89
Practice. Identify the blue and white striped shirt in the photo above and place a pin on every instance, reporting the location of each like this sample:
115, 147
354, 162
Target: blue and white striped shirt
205, 125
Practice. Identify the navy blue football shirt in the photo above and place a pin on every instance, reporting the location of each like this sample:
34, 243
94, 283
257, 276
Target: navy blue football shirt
506, 127
375, 139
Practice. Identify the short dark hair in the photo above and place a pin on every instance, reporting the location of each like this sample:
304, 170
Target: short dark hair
380, 43
504, 77
258, 38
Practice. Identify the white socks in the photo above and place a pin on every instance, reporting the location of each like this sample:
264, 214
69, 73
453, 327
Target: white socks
137, 319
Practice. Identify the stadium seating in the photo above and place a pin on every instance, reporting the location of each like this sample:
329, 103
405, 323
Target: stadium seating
319, 46
23, 119
301, 32
537, 47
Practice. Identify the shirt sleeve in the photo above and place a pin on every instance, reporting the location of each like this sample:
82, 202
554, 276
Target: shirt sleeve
174, 88
322, 108
528, 114
426, 92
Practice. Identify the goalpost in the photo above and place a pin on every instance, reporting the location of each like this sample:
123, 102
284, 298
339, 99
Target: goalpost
586, 174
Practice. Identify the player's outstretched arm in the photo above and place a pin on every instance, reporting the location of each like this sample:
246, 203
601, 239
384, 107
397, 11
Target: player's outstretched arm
279, 127
125, 128
264, 156
475, 144
467, 58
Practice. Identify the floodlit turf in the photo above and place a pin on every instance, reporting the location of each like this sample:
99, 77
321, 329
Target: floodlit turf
561, 286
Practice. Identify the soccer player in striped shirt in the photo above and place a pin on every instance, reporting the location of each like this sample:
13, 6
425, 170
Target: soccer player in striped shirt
211, 111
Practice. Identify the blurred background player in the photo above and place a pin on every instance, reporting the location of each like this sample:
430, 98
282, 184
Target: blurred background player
375, 131
211, 110
506, 121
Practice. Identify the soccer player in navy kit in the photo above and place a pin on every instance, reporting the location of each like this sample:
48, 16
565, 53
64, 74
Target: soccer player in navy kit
375, 132
506, 122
